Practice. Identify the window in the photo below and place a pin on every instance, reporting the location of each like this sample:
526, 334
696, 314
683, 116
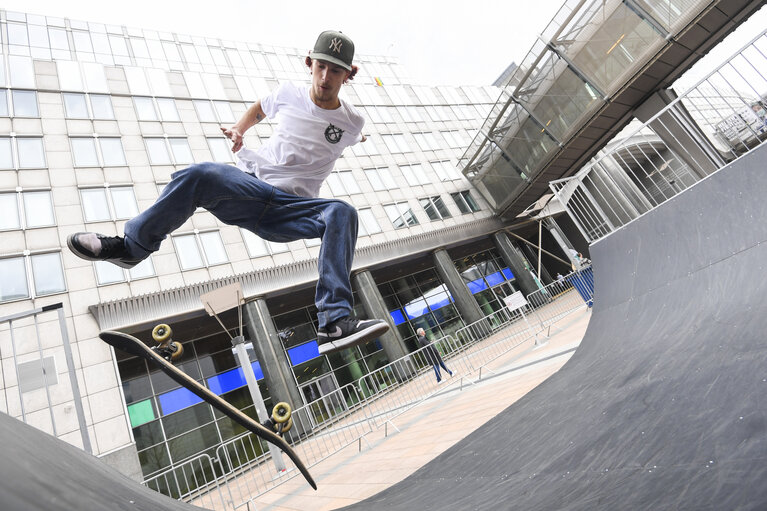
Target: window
168, 110
395, 143
414, 174
214, 111
199, 249
400, 215
366, 148
220, 149
258, 247
38, 209
21, 153
426, 141
367, 222
24, 103
156, 109
26, 209
108, 152
108, 273
380, 179
145, 110
108, 203
41, 273
445, 170
465, 202
161, 149
76, 106
452, 139
343, 183
435, 208
4, 112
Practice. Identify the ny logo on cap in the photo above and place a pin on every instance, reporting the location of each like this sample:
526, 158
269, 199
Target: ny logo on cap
335, 45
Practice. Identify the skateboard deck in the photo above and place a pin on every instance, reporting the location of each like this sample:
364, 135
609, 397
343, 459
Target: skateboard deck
133, 346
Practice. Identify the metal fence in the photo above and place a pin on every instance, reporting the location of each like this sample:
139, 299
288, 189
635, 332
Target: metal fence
236, 472
718, 119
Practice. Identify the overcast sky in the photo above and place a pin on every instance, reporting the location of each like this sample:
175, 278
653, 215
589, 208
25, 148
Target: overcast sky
445, 42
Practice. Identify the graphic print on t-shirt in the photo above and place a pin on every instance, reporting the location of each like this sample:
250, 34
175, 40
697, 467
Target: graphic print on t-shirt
333, 134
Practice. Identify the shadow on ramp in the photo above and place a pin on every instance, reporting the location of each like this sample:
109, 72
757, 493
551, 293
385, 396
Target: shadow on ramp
664, 404
39, 472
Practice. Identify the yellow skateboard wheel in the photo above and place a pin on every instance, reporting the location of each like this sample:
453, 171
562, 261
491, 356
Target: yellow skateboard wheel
162, 333
178, 350
281, 412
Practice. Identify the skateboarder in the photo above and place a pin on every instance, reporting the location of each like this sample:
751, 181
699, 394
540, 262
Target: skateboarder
432, 355
273, 190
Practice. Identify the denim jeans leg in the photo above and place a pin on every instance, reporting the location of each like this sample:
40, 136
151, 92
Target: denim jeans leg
290, 217
203, 184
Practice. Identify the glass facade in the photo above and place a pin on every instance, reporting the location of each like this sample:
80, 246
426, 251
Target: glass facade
170, 424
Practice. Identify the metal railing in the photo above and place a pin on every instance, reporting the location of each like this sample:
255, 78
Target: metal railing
241, 468
721, 117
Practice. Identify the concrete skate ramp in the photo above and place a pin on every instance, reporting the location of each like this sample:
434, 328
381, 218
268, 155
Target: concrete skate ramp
39, 472
663, 405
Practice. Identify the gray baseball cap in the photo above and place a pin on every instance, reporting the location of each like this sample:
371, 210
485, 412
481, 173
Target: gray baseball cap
334, 47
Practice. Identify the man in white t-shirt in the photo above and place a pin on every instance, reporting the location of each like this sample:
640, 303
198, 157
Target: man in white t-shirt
273, 190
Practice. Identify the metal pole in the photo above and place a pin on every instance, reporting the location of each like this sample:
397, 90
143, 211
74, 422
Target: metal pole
238, 343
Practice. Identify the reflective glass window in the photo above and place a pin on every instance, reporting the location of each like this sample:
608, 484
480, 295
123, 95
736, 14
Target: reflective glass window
25, 103
48, 273
112, 151
84, 152
38, 209
13, 279
9, 211
31, 154
102, 106
75, 106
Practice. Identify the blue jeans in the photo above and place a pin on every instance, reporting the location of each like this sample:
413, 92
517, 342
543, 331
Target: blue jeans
238, 198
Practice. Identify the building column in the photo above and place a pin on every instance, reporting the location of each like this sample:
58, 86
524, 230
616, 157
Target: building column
464, 301
561, 240
532, 255
270, 354
375, 308
679, 131
516, 263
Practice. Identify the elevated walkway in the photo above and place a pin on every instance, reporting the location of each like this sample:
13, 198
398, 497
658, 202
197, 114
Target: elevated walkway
582, 82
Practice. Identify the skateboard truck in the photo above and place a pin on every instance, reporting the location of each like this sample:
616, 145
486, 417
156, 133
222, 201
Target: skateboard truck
167, 348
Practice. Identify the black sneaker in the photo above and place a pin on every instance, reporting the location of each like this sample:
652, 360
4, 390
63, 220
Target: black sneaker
347, 332
97, 247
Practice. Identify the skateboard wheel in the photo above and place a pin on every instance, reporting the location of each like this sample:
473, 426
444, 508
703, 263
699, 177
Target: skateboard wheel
281, 412
161, 333
177, 349
286, 426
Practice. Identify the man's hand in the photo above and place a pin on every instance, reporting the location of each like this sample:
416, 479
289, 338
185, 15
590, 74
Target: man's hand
235, 136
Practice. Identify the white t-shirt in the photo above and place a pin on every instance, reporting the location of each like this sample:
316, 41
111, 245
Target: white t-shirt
308, 140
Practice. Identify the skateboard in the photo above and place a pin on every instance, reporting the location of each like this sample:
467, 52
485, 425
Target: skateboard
168, 350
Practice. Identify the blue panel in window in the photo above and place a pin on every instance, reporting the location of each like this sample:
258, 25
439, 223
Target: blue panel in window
439, 300
416, 309
475, 286
257, 370
232, 379
176, 400
397, 316
301, 354
507, 273
224, 382
494, 279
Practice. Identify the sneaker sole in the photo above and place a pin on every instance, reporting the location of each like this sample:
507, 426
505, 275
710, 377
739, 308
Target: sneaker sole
360, 337
119, 262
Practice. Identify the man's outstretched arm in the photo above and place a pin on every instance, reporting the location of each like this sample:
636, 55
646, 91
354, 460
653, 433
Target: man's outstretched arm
250, 118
